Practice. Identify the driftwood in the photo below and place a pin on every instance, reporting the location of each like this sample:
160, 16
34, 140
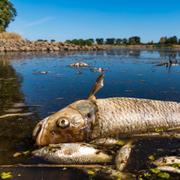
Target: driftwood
52, 166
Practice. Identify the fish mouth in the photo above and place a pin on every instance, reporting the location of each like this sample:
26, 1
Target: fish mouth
38, 131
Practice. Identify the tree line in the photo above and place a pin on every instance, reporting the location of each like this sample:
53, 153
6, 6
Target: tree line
134, 40
109, 41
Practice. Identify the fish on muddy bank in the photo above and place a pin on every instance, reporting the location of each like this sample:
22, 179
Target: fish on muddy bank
73, 153
169, 164
167, 160
90, 119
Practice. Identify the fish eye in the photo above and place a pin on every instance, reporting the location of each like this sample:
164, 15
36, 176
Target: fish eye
62, 123
89, 115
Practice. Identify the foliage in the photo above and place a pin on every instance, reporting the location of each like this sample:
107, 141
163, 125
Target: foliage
7, 14
81, 42
134, 40
168, 40
110, 41
119, 41
100, 41
125, 41
42, 40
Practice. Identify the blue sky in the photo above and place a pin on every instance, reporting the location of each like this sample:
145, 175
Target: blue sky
68, 19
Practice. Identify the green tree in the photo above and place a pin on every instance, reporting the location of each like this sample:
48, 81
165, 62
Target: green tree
124, 41
81, 42
100, 41
110, 41
163, 40
172, 40
7, 14
119, 41
134, 40
169, 40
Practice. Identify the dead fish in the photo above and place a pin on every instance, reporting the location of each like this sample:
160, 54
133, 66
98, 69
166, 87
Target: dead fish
169, 169
168, 160
123, 156
73, 153
41, 72
79, 64
90, 119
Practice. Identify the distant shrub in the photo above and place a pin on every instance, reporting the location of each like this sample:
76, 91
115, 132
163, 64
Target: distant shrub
81, 42
42, 40
10, 36
53, 40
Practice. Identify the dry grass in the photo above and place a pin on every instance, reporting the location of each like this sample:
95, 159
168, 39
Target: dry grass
10, 36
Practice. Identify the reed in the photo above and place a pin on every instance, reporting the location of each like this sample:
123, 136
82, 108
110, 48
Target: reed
10, 36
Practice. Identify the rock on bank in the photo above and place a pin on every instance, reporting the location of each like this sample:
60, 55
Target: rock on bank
26, 45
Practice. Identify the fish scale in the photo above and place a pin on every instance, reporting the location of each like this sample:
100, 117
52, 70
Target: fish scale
119, 116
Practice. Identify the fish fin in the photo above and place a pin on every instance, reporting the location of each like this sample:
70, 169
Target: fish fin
97, 86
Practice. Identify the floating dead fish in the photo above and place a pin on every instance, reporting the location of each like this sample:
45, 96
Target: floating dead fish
168, 160
73, 153
41, 72
79, 64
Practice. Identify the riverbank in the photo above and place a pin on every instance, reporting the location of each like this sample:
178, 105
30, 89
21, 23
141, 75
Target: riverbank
141, 46
21, 45
26, 46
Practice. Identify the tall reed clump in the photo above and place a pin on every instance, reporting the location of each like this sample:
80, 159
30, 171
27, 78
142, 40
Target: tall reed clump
10, 36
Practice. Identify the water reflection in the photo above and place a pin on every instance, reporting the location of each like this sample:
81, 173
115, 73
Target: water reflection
130, 73
13, 131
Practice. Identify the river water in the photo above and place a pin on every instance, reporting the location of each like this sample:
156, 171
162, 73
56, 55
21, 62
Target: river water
43, 83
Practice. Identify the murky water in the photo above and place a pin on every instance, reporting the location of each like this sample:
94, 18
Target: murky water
43, 84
